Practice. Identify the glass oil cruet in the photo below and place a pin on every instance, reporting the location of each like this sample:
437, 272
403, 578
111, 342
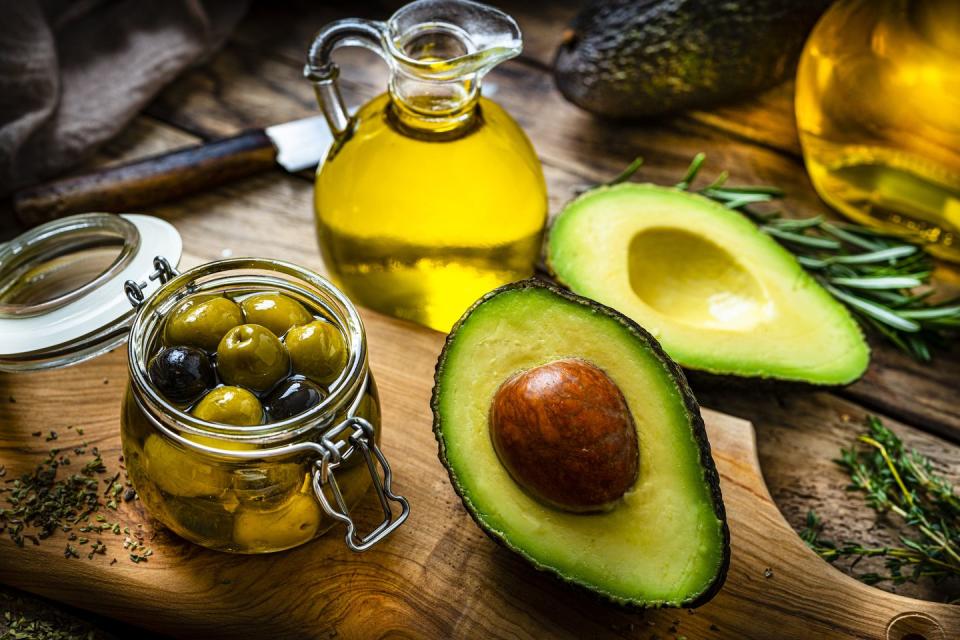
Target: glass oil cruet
878, 112
431, 195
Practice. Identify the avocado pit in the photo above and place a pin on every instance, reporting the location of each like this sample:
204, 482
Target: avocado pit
565, 434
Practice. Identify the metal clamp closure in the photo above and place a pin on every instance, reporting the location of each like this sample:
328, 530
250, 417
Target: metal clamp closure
164, 273
335, 454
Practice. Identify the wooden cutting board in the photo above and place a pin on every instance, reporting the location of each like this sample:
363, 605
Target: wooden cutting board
438, 576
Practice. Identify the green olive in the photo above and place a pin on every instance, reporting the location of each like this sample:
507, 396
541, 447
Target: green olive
292, 523
317, 351
229, 405
201, 320
204, 521
180, 472
274, 311
270, 484
251, 356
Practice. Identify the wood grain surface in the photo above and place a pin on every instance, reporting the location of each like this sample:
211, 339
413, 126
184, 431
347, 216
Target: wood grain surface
254, 82
438, 576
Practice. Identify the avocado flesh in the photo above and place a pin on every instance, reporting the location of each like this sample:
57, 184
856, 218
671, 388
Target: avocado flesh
720, 295
666, 542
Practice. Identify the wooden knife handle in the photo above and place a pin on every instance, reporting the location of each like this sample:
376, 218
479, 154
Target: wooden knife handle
142, 183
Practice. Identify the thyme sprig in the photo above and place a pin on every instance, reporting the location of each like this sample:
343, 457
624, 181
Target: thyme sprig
895, 480
884, 280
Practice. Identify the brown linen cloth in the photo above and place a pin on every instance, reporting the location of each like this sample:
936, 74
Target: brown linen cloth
73, 73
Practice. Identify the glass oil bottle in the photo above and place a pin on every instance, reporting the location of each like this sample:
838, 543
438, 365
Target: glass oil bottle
878, 109
431, 195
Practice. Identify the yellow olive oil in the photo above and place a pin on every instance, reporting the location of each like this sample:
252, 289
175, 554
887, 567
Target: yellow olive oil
878, 111
417, 222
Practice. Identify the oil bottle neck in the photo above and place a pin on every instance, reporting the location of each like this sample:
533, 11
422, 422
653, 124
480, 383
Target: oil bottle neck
431, 108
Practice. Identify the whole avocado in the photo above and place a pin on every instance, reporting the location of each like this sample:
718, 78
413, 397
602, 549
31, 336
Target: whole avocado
629, 58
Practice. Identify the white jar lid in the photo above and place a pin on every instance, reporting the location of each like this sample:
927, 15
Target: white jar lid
62, 297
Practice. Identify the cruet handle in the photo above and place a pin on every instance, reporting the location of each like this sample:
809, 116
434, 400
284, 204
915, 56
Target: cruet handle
323, 72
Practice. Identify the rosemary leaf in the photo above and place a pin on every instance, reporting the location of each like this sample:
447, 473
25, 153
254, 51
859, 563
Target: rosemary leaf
628, 172
758, 189
718, 182
851, 238
788, 224
811, 263
692, 171
891, 282
882, 255
897, 299
876, 311
795, 238
737, 200
936, 312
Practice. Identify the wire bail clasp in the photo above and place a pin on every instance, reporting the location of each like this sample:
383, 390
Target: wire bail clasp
362, 438
163, 272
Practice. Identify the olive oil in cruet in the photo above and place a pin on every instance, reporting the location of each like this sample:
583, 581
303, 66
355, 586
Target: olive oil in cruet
431, 195
878, 111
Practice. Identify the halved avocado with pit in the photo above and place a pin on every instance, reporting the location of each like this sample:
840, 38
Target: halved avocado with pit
531, 368
720, 295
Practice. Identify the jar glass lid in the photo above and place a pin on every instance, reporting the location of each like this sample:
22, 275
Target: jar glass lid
62, 296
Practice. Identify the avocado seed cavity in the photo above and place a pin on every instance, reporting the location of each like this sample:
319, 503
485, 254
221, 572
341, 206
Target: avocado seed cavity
564, 433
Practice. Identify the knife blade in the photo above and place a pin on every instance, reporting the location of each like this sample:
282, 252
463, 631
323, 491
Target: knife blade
294, 146
301, 144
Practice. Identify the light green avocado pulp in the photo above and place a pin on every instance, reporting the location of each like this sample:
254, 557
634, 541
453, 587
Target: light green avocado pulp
663, 544
719, 295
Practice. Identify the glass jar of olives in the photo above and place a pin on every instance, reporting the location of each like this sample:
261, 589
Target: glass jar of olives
251, 422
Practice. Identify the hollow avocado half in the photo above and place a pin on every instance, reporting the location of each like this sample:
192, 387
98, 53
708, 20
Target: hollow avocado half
666, 542
720, 295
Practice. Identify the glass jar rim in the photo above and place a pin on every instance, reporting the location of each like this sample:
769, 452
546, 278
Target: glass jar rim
250, 273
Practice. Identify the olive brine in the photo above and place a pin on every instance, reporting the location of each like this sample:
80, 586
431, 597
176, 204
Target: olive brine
246, 361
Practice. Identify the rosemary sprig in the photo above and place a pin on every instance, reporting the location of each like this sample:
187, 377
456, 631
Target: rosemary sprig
897, 481
882, 279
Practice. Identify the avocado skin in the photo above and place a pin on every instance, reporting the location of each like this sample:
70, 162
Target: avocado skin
711, 477
630, 59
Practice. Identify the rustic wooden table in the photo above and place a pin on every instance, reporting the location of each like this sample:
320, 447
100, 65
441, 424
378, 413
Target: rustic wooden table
256, 81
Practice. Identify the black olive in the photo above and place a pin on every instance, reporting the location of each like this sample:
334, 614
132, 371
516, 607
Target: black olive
292, 397
182, 374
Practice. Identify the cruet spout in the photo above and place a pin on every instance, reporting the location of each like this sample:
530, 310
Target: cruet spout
438, 52
447, 40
